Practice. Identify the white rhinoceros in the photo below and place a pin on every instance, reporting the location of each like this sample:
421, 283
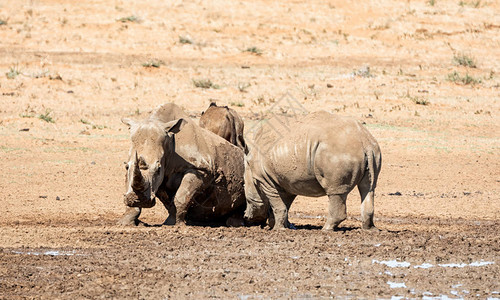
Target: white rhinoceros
195, 173
320, 154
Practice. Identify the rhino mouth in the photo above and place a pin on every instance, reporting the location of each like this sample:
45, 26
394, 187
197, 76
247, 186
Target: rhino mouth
134, 200
139, 196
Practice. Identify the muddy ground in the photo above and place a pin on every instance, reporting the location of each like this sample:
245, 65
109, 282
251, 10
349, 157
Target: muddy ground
423, 76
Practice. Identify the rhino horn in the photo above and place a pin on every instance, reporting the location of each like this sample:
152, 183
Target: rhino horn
137, 179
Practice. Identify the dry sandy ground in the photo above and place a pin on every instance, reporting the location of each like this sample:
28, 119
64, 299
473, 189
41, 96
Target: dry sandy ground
71, 70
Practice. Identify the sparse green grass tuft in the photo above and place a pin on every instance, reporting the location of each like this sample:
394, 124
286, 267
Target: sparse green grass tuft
475, 4
13, 72
46, 116
420, 101
85, 122
3, 22
153, 63
363, 72
254, 50
467, 79
238, 104
132, 19
464, 60
185, 40
417, 100
205, 84
242, 86
100, 127
432, 2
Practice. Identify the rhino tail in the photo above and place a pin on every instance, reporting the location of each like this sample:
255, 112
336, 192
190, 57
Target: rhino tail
374, 162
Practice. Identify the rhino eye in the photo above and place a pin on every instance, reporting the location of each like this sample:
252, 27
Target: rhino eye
126, 166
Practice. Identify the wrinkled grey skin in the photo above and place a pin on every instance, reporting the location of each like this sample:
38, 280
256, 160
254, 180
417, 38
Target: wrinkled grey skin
197, 175
320, 154
226, 123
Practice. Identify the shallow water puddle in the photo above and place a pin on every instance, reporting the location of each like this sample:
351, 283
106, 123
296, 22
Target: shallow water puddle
392, 263
49, 252
395, 285
404, 264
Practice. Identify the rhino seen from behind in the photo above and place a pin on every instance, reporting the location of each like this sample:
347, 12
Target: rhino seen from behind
317, 155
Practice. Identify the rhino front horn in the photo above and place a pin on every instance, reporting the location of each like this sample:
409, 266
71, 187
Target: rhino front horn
137, 180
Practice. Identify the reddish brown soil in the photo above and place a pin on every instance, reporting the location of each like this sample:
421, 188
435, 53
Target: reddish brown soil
437, 200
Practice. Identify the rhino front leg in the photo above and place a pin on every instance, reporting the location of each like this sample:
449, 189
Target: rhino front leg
168, 203
190, 185
130, 217
336, 211
280, 212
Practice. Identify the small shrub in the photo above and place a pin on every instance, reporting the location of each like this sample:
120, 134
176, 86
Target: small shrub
46, 117
474, 4
185, 40
100, 127
13, 72
242, 86
363, 72
153, 63
432, 2
464, 60
254, 50
3, 22
420, 101
132, 19
205, 84
417, 100
238, 104
467, 79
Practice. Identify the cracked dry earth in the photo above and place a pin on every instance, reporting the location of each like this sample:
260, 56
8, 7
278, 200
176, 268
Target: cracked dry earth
71, 70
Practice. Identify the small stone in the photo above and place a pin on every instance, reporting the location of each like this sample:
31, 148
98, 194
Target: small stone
395, 194
57, 198
329, 85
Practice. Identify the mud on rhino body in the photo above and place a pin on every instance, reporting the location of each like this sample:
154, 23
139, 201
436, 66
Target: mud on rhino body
197, 175
317, 155
225, 122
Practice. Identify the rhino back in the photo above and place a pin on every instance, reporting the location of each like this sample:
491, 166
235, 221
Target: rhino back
223, 166
224, 192
319, 154
168, 112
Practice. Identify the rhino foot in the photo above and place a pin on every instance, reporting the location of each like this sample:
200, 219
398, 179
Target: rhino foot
235, 221
128, 222
169, 221
371, 228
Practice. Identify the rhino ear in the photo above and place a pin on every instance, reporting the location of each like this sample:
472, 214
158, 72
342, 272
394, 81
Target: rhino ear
129, 122
175, 126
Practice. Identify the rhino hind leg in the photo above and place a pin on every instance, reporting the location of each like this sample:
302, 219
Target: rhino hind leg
367, 203
130, 217
337, 211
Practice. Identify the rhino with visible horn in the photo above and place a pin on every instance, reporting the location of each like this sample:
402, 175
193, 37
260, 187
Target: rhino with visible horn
197, 175
320, 154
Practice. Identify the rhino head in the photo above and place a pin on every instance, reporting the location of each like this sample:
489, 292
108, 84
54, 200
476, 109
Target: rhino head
257, 210
153, 144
